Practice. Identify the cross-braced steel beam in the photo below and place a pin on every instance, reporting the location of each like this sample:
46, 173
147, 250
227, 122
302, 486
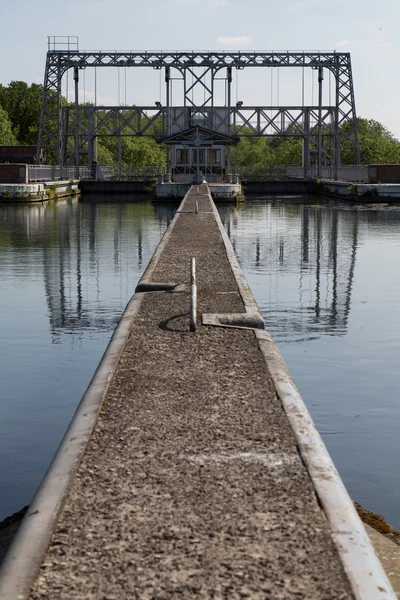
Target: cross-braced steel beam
322, 128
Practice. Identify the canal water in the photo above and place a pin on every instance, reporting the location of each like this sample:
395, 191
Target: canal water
326, 276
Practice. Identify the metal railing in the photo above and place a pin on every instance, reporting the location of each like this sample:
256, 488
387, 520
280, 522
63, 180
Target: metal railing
129, 172
261, 172
357, 173
211, 173
56, 172
66, 43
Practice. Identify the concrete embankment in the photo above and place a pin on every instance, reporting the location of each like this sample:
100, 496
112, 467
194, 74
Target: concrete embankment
204, 475
38, 192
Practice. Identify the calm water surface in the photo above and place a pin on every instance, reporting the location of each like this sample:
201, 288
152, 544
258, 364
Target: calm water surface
67, 270
326, 277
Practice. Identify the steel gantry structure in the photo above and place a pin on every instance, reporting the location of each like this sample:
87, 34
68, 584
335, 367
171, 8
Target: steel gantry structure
71, 130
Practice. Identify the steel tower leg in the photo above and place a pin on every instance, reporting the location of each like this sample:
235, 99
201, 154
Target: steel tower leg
76, 80
320, 80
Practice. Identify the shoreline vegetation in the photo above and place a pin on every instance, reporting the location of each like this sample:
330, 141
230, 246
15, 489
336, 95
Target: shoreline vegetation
20, 108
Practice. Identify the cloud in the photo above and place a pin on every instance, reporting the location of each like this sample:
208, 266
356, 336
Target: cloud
343, 44
209, 2
301, 6
234, 42
385, 44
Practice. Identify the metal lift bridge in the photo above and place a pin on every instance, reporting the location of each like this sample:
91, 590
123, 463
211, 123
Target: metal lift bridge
70, 131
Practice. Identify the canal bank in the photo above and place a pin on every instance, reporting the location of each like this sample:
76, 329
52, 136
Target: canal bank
341, 190
38, 192
193, 476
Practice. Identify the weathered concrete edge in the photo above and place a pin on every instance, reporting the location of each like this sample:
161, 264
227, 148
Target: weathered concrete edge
25, 555
249, 301
146, 278
362, 566
360, 562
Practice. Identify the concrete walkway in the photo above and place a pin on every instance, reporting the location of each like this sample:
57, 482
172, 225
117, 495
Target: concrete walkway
192, 485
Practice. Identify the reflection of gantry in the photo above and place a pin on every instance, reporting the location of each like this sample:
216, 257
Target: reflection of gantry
307, 257
323, 129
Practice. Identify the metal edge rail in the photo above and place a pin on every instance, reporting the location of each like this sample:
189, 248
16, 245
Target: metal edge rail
364, 571
22, 562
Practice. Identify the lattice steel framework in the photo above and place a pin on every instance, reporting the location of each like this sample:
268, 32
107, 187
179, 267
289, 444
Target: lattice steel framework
321, 127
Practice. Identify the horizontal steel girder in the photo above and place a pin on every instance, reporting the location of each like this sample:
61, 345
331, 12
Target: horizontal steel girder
182, 60
54, 122
244, 121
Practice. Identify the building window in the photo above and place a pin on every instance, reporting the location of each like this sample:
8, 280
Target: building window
202, 158
214, 157
182, 157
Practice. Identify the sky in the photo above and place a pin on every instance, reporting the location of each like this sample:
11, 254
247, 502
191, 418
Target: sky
368, 29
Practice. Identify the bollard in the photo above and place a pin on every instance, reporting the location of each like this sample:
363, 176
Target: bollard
193, 295
197, 207
197, 191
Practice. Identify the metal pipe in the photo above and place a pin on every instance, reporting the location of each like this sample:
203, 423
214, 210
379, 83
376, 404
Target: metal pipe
168, 117
197, 160
60, 154
90, 138
95, 116
76, 79
320, 80
119, 147
336, 124
193, 295
306, 143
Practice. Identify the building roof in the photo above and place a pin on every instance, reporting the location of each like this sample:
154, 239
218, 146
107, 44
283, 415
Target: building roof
200, 136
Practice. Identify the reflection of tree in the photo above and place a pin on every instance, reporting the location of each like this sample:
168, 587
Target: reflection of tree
306, 256
88, 253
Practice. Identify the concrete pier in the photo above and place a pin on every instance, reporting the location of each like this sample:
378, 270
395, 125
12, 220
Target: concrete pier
191, 468
38, 192
219, 191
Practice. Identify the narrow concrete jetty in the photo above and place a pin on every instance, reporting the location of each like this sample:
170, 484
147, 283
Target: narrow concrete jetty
192, 468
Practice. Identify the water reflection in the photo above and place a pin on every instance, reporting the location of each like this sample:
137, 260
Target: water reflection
326, 276
88, 254
308, 254
68, 268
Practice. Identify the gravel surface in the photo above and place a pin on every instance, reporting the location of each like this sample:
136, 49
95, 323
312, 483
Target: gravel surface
192, 486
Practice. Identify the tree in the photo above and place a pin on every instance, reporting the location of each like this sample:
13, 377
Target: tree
23, 104
377, 144
7, 137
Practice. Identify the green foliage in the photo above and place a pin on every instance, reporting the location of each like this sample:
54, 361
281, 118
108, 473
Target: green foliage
136, 151
20, 106
267, 151
7, 137
142, 151
23, 104
377, 144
